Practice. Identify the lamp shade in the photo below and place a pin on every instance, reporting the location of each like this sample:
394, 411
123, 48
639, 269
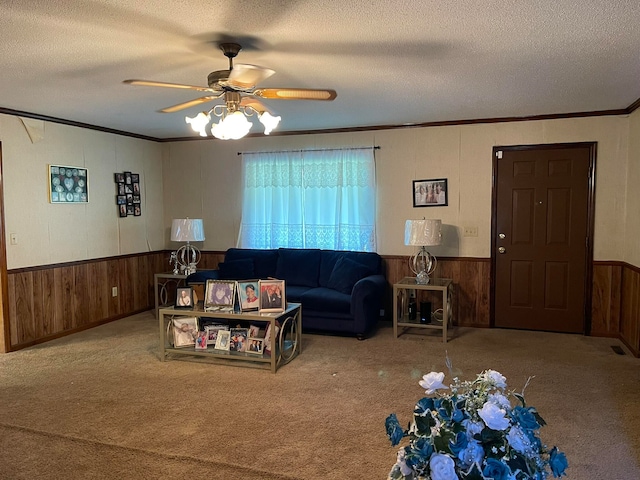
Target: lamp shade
423, 232
187, 230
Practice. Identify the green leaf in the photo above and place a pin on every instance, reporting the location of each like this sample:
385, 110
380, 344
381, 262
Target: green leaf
473, 473
521, 398
441, 442
424, 424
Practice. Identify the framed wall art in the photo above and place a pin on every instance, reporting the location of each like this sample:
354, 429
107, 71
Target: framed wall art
128, 194
68, 184
430, 193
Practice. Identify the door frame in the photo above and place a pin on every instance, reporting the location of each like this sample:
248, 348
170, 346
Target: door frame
588, 280
5, 332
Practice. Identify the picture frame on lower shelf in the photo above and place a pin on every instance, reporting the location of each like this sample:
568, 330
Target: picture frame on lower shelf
255, 345
184, 331
201, 341
223, 340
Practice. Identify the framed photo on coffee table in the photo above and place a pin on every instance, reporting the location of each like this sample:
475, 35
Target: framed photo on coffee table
249, 295
272, 296
220, 294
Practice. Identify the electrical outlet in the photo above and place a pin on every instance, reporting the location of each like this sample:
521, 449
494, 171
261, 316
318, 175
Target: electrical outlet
114, 291
470, 231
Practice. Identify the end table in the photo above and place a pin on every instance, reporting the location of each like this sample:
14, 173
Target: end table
161, 281
401, 320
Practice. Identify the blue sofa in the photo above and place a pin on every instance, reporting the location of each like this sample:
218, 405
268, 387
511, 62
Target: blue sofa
340, 292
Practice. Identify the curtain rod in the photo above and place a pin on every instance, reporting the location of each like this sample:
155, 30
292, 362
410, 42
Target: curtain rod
312, 150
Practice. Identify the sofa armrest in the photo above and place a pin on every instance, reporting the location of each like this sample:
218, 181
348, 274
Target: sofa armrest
367, 298
201, 276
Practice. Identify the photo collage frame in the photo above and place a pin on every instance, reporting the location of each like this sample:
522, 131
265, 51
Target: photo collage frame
128, 197
68, 184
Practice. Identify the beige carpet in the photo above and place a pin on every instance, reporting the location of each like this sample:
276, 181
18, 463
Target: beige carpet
100, 404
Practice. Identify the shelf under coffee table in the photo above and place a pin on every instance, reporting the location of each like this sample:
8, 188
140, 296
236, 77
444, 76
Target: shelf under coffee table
285, 346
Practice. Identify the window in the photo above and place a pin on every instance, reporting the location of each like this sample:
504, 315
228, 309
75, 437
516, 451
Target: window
309, 199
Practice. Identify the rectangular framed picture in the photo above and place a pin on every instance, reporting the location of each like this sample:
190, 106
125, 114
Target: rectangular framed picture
201, 341
255, 345
184, 297
430, 193
272, 296
249, 295
223, 340
68, 184
185, 331
220, 294
212, 332
239, 339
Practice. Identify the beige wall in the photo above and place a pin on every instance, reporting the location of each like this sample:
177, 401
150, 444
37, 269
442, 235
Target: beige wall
203, 178
632, 233
50, 233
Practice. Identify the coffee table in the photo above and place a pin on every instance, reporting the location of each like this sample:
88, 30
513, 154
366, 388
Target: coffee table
285, 346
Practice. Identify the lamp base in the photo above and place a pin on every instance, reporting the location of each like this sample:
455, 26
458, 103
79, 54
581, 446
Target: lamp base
422, 278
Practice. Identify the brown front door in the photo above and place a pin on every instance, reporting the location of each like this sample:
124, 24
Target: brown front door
541, 236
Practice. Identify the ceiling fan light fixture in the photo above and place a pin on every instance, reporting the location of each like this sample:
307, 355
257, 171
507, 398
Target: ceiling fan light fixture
231, 127
199, 123
269, 121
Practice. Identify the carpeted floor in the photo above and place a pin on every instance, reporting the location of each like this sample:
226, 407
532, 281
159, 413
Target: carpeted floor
100, 404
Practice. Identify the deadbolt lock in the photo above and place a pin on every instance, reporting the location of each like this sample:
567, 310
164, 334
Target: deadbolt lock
502, 236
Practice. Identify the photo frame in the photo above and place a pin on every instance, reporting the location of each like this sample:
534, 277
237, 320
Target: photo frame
184, 298
184, 331
201, 341
212, 332
249, 295
68, 184
272, 296
128, 193
430, 193
239, 338
223, 340
255, 345
220, 294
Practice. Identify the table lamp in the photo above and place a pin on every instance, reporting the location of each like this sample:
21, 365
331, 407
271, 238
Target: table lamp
187, 256
423, 233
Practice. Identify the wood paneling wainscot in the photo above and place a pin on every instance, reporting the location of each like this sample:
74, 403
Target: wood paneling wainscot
51, 301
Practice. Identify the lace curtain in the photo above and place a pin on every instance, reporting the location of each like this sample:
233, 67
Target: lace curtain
309, 199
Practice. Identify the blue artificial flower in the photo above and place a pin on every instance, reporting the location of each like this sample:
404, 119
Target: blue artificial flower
496, 469
394, 430
459, 444
526, 418
423, 449
557, 462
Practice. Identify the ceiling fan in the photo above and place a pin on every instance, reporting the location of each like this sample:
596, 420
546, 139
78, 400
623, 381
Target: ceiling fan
238, 87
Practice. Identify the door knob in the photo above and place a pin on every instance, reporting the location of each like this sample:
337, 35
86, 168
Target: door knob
501, 250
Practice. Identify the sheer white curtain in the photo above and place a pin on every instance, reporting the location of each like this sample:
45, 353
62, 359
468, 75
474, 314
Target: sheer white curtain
309, 199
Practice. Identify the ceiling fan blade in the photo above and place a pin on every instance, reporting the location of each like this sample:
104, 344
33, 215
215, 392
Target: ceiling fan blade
245, 77
255, 104
151, 83
295, 94
190, 103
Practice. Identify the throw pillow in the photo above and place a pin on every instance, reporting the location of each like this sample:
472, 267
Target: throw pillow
236, 269
345, 274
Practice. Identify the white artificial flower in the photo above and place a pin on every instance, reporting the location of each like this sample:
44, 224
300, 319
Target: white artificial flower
499, 399
432, 382
494, 416
404, 468
442, 467
496, 378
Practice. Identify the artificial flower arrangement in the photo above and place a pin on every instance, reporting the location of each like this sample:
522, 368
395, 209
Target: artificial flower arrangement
473, 432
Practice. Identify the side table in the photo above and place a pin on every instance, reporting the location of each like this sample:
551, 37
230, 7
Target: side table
401, 320
160, 283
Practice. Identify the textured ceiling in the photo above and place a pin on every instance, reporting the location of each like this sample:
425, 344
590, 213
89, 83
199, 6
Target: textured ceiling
392, 62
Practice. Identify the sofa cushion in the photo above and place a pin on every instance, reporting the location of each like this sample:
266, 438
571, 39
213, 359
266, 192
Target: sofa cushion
298, 266
264, 261
345, 274
294, 293
325, 300
329, 258
236, 269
